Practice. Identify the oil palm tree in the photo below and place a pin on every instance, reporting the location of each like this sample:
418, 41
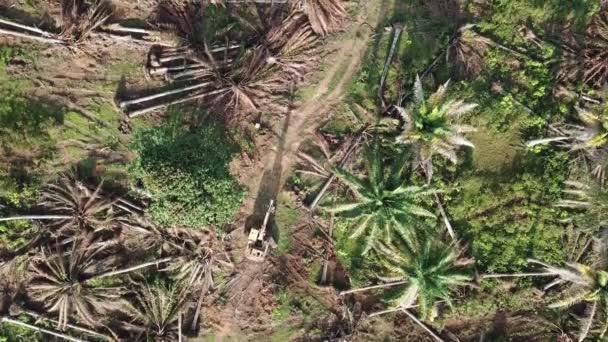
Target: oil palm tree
65, 282
589, 137
72, 206
195, 261
596, 50
431, 125
584, 284
60, 283
431, 271
384, 204
590, 203
80, 19
156, 310
427, 272
467, 51
325, 16
86, 209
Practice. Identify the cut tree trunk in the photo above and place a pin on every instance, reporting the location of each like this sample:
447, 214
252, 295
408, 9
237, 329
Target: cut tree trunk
32, 37
517, 275
125, 104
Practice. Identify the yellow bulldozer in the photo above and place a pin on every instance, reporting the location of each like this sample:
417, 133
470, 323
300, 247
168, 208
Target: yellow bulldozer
257, 244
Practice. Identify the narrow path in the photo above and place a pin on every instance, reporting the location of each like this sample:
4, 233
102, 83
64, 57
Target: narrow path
300, 123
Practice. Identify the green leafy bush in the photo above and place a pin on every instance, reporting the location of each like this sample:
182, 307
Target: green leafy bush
187, 174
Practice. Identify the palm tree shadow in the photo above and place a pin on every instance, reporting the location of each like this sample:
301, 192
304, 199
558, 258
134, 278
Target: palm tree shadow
270, 185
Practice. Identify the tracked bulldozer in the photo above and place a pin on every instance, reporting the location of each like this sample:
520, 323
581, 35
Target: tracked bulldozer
257, 243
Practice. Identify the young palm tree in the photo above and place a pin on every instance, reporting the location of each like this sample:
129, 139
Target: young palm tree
431, 125
157, 309
384, 204
588, 284
590, 138
431, 271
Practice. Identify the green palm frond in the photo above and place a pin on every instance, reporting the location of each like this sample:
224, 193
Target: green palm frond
383, 204
432, 269
434, 124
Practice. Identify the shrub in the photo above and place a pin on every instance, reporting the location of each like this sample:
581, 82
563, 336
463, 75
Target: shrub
187, 174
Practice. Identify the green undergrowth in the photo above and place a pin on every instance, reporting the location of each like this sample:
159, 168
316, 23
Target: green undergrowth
292, 304
492, 297
186, 172
500, 197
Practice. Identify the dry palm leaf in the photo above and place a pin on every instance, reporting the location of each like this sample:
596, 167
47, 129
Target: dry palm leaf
58, 280
87, 210
177, 15
79, 19
467, 50
596, 51
325, 16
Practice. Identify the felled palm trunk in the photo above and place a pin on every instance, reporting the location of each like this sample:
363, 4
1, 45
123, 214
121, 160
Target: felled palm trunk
381, 286
113, 32
27, 32
35, 217
71, 326
39, 329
